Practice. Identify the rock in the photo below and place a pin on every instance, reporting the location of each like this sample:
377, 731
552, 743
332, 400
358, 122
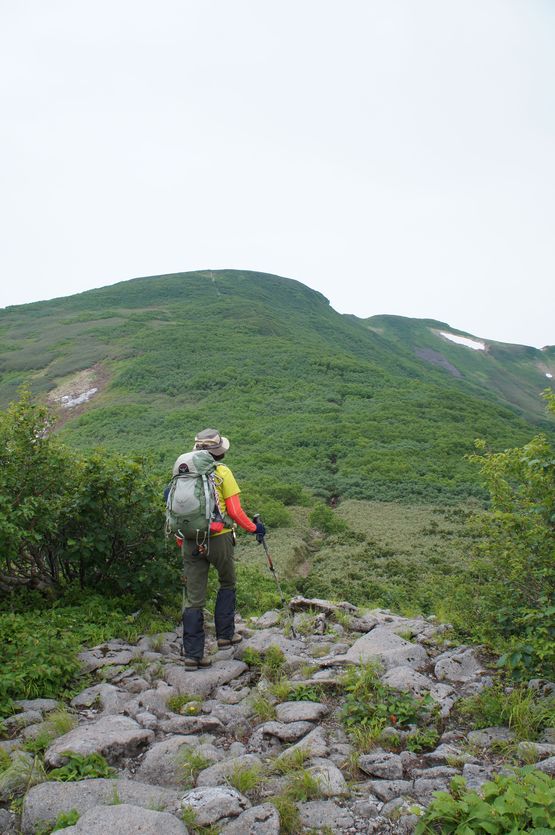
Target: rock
487, 737
443, 753
388, 789
407, 680
147, 720
268, 619
229, 696
476, 775
329, 778
22, 720
385, 646
212, 804
112, 736
203, 682
542, 686
236, 749
533, 752
300, 603
319, 814
459, 665
101, 656
191, 725
154, 701
218, 774
110, 698
47, 800
547, 766
137, 684
366, 808
289, 732
42, 705
300, 712
430, 780
266, 638
260, 820
548, 736
314, 743
161, 763
384, 765
126, 820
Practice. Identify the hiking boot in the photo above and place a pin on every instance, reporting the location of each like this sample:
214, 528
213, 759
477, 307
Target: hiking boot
204, 662
229, 642
191, 663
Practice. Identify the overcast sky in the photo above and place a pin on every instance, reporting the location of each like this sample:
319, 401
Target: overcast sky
397, 155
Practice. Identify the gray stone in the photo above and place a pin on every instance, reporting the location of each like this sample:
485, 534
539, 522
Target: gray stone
300, 603
42, 705
385, 646
203, 682
445, 752
211, 804
547, 766
300, 712
161, 763
289, 732
260, 820
315, 744
329, 778
154, 701
388, 789
112, 736
147, 720
460, 664
230, 696
266, 638
487, 737
47, 800
191, 725
126, 820
366, 808
476, 775
548, 736
102, 656
110, 698
22, 720
318, 814
382, 764
432, 780
532, 752
7, 822
11, 782
268, 619
218, 774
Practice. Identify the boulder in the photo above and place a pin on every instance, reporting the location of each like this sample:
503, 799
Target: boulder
203, 682
315, 744
212, 804
22, 720
112, 736
42, 705
487, 737
388, 789
162, 762
113, 652
476, 775
268, 619
547, 766
533, 752
300, 712
126, 820
260, 820
322, 814
218, 774
289, 732
47, 800
154, 701
106, 696
382, 764
191, 725
329, 778
445, 752
459, 665
388, 648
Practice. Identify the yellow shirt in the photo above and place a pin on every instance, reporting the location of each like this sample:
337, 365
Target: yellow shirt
226, 486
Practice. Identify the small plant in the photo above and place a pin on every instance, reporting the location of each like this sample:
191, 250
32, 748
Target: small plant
189, 818
305, 693
177, 703
303, 786
274, 661
63, 820
291, 761
60, 722
252, 658
80, 767
5, 760
156, 642
281, 689
246, 778
115, 799
20, 775
191, 763
425, 739
523, 802
521, 709
342, 617
289, 818
263, 707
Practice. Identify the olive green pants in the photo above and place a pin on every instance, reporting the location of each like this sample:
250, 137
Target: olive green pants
196, 568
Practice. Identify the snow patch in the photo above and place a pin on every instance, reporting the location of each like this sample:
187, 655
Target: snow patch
475, 344
547, 374
68, 401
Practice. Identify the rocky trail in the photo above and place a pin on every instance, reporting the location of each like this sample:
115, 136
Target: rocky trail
261, 734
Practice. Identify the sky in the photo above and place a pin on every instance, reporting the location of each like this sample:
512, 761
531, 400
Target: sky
397, 156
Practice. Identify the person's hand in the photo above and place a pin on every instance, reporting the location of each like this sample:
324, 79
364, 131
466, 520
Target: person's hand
260, 532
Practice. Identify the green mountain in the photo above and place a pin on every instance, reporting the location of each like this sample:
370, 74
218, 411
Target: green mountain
348, 408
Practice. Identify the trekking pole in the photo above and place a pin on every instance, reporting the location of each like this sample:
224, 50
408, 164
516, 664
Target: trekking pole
256, 518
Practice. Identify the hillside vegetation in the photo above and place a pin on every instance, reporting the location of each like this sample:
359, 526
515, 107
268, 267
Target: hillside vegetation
309, 397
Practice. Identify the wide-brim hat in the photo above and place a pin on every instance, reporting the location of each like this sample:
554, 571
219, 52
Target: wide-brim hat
212, 441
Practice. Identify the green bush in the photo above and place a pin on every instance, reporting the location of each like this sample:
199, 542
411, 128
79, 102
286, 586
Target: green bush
80, 767
524, 802
324, 519
522, 709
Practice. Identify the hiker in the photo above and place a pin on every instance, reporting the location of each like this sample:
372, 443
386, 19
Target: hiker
213, 548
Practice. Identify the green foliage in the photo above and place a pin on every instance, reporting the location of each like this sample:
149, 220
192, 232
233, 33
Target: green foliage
246, 779
269, 663
324, 519
63, 820
508, 592
425, 739
185, 700
79, 767
22, 773
371, 705
289, 817
5, 760
522, 709
189, 818
305, 693
523, 802
302, 786
190, 763
291, 761
263, 707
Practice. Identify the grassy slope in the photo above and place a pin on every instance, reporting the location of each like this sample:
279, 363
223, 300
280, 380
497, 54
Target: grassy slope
305, 394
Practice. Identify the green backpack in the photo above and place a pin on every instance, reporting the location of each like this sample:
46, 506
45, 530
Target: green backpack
191, 504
